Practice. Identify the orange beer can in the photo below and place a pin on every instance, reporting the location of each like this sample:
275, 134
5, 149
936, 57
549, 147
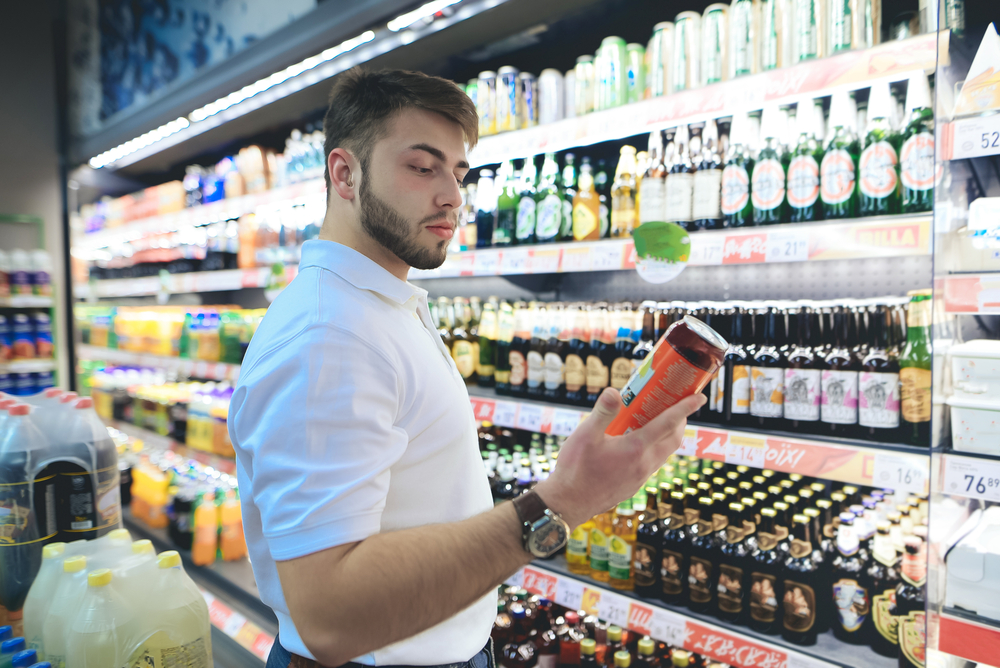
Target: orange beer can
682, 363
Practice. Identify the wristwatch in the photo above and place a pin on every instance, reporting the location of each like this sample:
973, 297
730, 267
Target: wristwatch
543, 532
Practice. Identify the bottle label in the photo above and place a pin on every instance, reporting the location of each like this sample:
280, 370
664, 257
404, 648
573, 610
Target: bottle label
576, 373
802, 394
623, 216
536, 369
525, 218
699, 580
518, 367
878, 400
566, 230
160, 651
878, 170
680, 197
597, 374
767, 389
716, 393
847, 540
584, 222
916, 162
707, 195
840, 25
799, 606
916, 393
653, 197
763, 597
576, 546
644, 565
554, 371
719, 522
464, 359
836, 177
549, 217
767, 541
621, 371
913, 638
740, 401
839, 404
886, 623
803, 181
620, 559
730, 588
851, 600
768, 186
671, 572
605, 220
735, 189
598, 550
781, 533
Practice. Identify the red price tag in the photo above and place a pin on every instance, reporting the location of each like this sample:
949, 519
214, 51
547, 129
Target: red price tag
640, 618
538, 582
712, 444
483, 409
745, 249
732, 649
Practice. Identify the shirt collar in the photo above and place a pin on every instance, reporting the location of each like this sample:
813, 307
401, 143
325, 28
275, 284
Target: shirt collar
359, 270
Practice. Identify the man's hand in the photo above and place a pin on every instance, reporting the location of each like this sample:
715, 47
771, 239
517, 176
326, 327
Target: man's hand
596, 471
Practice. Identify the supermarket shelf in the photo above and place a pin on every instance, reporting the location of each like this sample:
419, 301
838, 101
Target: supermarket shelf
969, 636
28, 366
26, 301
156, 441
972, 293
196, 281
858, 238
893, 61
737, 646
843, 460
190, 368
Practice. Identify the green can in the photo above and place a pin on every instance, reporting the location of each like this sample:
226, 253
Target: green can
772, 34
684, 68
658, 57
611, 64
635, 72
585, 90
808, 18
715, 44
744, 33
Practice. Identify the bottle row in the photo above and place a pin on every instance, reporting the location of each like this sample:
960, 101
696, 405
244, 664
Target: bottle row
25, 335
25, 273
25, 383
846, 369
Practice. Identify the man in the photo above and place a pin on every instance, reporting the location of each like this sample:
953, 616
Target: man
366, 508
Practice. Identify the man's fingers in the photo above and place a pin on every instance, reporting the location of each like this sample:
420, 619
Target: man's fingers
667, 421
609, 403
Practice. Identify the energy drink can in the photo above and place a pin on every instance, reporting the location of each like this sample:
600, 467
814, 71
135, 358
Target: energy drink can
658, 55
682, 363
486, 102
550, 96
744, 36
586, 85
686, 59
508, 93
610, 65
635, 72
715, 44
808, 27
527, 100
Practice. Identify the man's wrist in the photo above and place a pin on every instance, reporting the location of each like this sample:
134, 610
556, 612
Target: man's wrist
557, 501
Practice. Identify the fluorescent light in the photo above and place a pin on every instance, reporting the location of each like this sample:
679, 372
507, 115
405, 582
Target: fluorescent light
423, 12
142, 141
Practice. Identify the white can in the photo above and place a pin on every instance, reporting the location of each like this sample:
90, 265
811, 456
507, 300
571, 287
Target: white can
569, 91
551, 96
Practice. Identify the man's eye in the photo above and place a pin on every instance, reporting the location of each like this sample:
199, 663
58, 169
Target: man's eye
422, 170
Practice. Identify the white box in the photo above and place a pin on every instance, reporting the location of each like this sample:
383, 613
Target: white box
975, 369
975, 425
974, 566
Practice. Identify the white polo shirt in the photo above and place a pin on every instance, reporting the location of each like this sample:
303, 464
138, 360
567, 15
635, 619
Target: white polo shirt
349, 419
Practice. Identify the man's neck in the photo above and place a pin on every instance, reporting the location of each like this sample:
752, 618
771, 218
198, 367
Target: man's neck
351, 235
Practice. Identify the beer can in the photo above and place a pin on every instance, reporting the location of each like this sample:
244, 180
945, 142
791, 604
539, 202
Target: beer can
839, 25
586, 85
486, 103
569, 90
610, 66
508, 93
682, 363
744, 36
808, 18
686, 61
527, 100
715, 44
472, 90
550, 96
774, 35
867, 23
659, 53
635, 72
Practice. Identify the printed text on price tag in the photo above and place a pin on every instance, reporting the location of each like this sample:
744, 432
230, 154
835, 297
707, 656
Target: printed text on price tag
790, 246
569, 593
505, 414
529, 417
974, 478
514, 261
900, 473
565, 421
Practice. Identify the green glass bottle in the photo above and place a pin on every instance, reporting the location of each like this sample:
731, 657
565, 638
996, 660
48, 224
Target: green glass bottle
878, 167
916, 158
569, 192
737, 210
603, 187
838, 187
803, 169
915, 371
549, 200
767, 183
526, 207
503, 231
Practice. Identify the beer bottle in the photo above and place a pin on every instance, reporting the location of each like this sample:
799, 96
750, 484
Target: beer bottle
647, 654
623, 195
588, 653
702, 571
621, 545
767, 184
707, 202
732, 601
838, 178
647, 312
464, 347
549, 201
536, 353
646, 563
600, 537
620, 355
555, 355
576, 355
519, 347
915, 371
507, 201
526, 206
488, 334
823, 614
680, 182
803, 170
766, 563
653, 189
737, 210
878, 384
446, 321
767, 377
707, 413
782, 520
486, 209
569, 194
911, 595
839, 400
851, 600
878, 168
828, 520
881, 579
801, 586
504, 339
598, 373
641, 165
916, 158
803, 376
603, 186
586, 206
673, 551
735, 373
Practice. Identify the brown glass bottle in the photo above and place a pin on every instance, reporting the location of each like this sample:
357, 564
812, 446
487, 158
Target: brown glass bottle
619, 356
598, 373
851, 602
839, 402
911, 596
536, 354
646, 340
878, 384
703, 572
732, 599
767, 377
576, 356
674, 541
802, 585
517, 356
554, 359
766, 564
803, 376
881, 578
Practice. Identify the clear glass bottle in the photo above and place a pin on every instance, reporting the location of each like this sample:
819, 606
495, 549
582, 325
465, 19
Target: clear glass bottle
549, 202
680, 181
623, 194
707, 202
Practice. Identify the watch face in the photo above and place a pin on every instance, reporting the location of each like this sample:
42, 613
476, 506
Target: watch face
547, 536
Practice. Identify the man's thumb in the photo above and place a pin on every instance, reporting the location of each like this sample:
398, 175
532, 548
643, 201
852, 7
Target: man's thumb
606, 409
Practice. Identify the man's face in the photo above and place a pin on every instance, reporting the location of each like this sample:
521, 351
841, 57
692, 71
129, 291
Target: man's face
409, 194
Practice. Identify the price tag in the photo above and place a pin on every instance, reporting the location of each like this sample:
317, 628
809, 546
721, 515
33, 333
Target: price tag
565, 421
540, 582
569, 593
483, 409
640, 618
706, 249
788, 246
974, 138
514, 261
251, 278
668, 627
746, 450
529, 418
505, 414
975, 478
606, 257
689, 446
614, 609
467, 264
577, 259
233, 624
544, 261
900, 473
591, 601
486, 263
516, 580
745, 249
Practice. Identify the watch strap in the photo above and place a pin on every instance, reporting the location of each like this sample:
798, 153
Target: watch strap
530, 508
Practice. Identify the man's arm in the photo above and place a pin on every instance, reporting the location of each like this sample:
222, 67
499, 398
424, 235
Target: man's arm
401, 583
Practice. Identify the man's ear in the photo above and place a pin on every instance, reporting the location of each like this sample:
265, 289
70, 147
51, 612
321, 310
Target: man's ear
344, 173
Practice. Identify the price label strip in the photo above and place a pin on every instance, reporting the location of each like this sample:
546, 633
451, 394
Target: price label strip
505, 414
901, 473
788, 246
972, 138
973, 478
565, 421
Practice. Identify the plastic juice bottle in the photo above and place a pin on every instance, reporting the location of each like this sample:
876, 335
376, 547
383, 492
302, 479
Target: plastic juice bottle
65, 602
600, 536
36, 606
231, 540
8, 649
577, 549
205, 531
100, 633
110, 549
132, 574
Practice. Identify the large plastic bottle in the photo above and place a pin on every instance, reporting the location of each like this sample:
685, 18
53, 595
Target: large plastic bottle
20, 273
65, 603
100, 635
232, 543
110, 549
36, 606
134, 573
206, 528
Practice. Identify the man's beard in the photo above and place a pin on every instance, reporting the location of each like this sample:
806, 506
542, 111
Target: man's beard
396, 234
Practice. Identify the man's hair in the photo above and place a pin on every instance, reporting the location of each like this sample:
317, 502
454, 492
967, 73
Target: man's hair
362, 104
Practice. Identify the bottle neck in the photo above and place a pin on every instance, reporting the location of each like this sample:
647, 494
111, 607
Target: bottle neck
914, 568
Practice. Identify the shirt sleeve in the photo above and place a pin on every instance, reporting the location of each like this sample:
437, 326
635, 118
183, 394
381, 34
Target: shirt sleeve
314, 419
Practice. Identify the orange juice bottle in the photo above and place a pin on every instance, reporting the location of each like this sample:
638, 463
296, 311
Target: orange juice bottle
205, 531
231, 541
